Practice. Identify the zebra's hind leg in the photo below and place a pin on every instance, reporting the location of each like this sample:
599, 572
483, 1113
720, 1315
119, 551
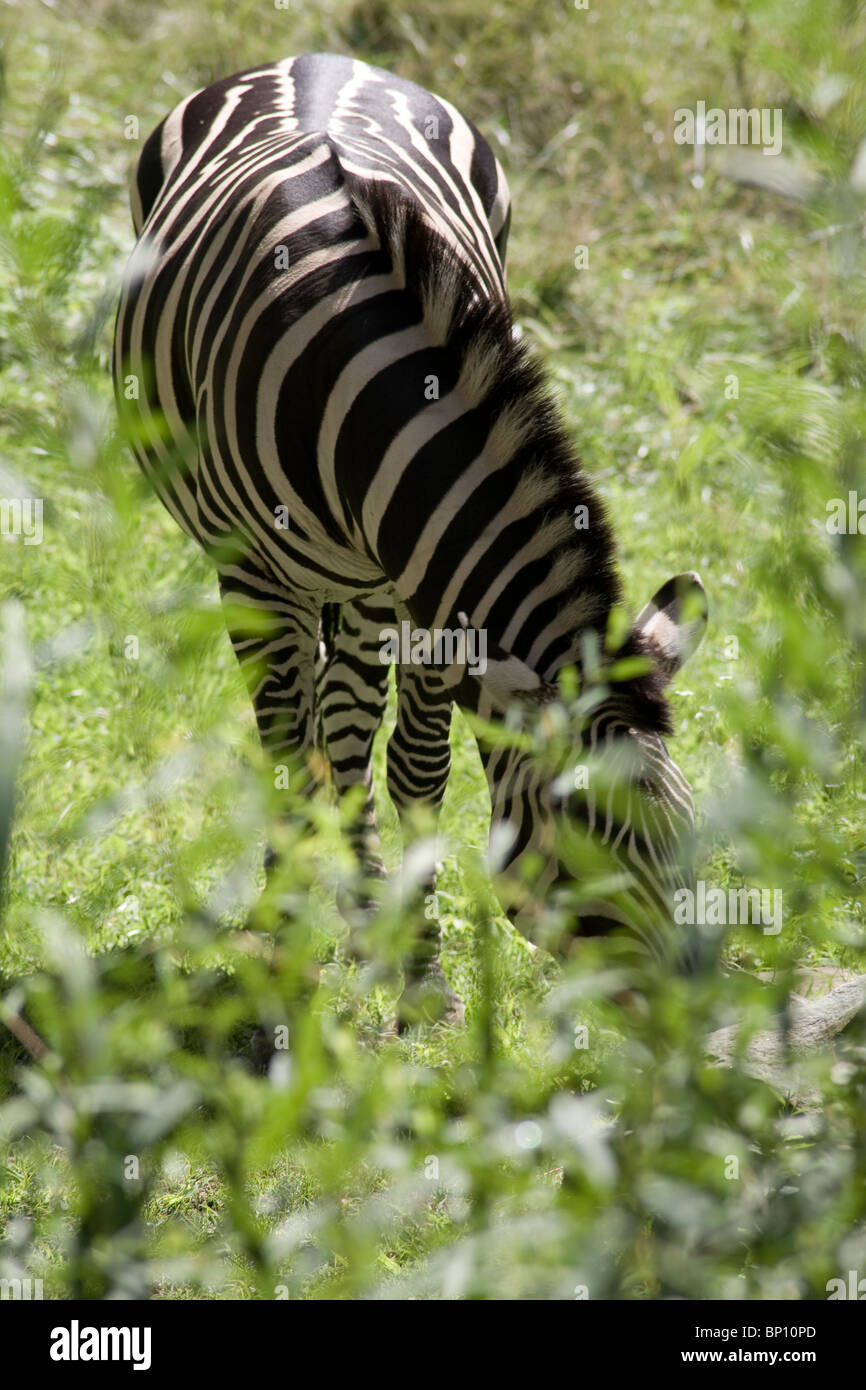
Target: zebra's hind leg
419, 760
351, 694
275, 637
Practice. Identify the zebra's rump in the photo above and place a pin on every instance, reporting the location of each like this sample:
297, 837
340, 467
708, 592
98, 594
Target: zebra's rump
383, 127
260, 306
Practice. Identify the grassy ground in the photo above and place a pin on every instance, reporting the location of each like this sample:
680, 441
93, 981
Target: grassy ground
136, 805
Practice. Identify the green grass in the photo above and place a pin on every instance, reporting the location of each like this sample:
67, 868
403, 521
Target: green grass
139, 813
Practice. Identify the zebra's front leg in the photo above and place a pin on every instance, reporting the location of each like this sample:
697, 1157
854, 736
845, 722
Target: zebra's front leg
419, 760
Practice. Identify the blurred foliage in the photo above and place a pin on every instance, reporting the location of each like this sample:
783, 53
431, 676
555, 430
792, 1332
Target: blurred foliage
710, 360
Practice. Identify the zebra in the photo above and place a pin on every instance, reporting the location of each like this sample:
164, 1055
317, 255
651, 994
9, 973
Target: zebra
316, 363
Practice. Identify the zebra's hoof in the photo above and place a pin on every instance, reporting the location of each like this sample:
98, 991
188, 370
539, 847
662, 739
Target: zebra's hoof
428, 999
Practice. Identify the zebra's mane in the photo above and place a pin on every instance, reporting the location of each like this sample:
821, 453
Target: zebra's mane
499, 375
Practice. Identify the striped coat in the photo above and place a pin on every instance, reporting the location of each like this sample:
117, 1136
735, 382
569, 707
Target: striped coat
316, 364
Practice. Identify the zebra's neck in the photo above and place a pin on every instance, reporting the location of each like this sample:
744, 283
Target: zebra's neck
479, 505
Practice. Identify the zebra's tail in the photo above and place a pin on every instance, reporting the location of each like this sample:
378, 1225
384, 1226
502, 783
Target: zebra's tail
329, 626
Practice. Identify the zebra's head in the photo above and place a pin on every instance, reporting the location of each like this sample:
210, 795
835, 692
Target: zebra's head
606, 824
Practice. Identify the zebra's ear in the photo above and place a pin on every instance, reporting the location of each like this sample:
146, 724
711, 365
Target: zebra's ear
674, 621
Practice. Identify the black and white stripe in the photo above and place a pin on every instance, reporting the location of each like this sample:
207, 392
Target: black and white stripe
319, 243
